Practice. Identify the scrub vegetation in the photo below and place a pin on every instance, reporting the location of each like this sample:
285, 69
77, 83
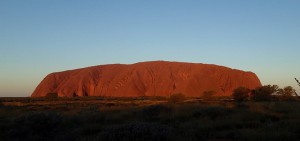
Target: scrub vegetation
267, 113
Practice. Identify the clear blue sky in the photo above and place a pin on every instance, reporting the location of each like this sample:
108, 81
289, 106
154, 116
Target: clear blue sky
38, 37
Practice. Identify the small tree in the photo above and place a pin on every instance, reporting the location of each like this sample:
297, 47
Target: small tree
263, 93
241, 94
176, 98
287, 93
208, 95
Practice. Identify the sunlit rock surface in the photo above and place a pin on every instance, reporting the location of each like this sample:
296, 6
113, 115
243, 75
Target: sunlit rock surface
157, 78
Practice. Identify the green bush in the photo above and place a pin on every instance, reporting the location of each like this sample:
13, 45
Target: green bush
241, 94
263, 93
176, 98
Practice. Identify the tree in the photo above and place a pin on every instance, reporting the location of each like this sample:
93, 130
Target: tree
289, 90
264, 93
176, 98
287, 93
241, 94
208, 95
275, 88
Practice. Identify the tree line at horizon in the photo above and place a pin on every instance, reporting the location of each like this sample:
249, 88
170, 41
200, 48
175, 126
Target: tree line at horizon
262, 93
265, 93
240, 94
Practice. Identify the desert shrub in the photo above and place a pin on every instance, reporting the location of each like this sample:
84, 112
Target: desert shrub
90, 115
212, 112
110, 104
176, 98
155, 110
36, 126
263, 93
208, 95
51, 96
137, 131
241, 94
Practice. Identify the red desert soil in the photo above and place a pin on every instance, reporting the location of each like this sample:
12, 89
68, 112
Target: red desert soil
156, 78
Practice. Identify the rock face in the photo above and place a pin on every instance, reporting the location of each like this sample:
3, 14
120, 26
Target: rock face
157, 78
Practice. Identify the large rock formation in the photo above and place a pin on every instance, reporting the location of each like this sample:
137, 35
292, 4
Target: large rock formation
157, 78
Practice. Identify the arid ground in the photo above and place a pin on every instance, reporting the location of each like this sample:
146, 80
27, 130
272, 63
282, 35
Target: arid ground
148, 119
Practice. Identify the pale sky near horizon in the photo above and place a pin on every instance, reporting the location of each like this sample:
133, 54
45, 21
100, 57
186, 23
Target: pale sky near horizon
38, 37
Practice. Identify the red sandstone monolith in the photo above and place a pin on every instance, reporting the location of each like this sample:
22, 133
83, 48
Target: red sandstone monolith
157, 78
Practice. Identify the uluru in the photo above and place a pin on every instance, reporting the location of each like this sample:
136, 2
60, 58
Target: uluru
155, 78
